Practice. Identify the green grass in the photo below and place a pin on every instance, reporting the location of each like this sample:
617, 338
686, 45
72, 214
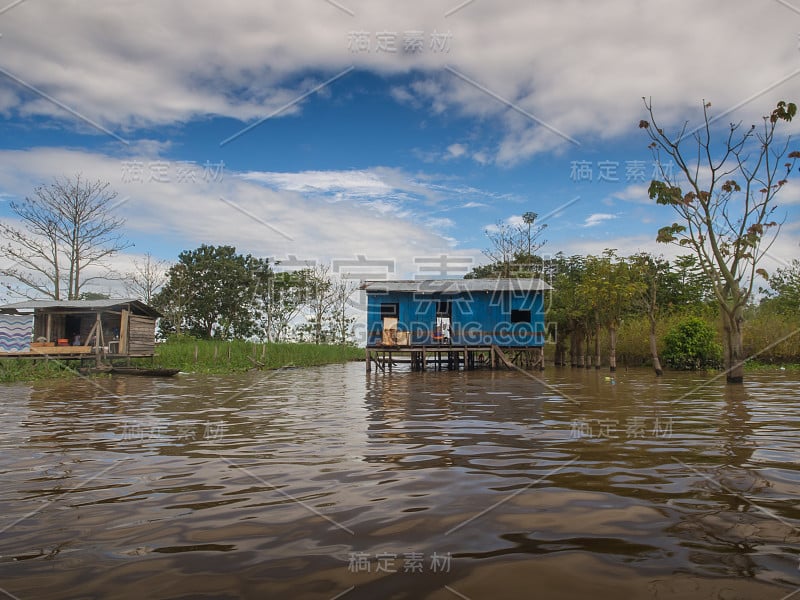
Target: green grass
198, 356
208, 356
12, 369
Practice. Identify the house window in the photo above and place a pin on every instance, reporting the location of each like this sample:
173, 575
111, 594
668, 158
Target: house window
443, 308
390, 309
520, 316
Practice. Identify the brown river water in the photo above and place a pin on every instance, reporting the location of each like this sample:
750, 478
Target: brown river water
329, 483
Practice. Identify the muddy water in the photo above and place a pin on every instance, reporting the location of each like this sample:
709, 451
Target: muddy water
325, 483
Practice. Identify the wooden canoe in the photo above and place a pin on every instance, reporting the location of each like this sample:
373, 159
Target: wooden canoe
144, 371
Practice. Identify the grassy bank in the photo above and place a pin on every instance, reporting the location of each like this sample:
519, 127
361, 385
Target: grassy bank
208, 356
198, 356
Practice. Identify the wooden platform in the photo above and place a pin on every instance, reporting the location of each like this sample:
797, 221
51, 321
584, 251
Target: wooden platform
67, 353
57, 351
441, 356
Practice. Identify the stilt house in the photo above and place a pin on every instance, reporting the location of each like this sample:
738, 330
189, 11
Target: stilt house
71, 328
466, 315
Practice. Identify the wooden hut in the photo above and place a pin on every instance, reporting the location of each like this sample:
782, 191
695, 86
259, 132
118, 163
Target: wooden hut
114, 328
455, 321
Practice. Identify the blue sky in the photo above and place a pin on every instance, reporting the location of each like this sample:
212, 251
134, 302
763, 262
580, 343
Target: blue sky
331, 130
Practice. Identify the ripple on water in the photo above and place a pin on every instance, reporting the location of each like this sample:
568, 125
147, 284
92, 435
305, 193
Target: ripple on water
215, 487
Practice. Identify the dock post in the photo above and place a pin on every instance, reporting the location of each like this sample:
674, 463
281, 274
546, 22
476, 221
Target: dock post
369, 360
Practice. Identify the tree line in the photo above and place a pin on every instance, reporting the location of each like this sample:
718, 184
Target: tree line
723, 193
215, 292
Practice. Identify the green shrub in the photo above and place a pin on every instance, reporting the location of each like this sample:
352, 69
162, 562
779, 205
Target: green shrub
691, 344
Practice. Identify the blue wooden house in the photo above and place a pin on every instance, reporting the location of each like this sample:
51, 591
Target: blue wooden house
450, 317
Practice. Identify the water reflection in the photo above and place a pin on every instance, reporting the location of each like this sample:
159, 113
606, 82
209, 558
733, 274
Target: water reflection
262, 484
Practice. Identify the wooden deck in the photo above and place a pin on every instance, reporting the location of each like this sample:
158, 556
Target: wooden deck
68, 353
56, 351
452, 357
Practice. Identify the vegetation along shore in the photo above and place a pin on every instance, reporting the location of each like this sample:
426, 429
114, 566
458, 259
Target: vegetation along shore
200, 356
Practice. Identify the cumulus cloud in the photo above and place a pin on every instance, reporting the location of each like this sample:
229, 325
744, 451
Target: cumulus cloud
542, 73
173, 215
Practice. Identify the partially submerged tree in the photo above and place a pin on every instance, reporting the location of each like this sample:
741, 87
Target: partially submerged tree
65, 229
724, 193
652, 273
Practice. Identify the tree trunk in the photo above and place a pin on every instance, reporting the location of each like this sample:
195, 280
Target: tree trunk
558, 356
588, 361
612, 351
654, 349
579, 348
597, 348
734, 354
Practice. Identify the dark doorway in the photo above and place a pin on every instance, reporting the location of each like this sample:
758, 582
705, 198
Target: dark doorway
72, 330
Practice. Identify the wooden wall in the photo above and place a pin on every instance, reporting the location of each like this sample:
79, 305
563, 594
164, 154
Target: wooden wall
141, 335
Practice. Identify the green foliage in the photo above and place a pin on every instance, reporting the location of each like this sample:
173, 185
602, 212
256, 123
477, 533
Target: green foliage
209, 292
773, 337
691, 344
15, 369
724, 195
784, 295
93, 296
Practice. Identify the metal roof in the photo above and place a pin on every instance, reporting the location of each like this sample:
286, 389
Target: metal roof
455, 286
88, 305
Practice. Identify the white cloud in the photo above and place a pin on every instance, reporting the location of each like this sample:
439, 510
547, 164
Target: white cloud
440, 223
456, 150
634, 193
576, 68
256, 219
597, 218
353, 183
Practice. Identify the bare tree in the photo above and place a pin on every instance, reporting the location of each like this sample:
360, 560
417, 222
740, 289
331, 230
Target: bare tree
725, 198
279, 298
514, 244
148, 276
502, 237
320, 298
341, 323
66, 228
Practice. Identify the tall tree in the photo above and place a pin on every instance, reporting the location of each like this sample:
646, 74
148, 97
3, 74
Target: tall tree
340, 320
67, 227
503, 246
211, 288
725, 197
320, 299
514, 244
279, 299
172, 300
653, 274
147, 277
